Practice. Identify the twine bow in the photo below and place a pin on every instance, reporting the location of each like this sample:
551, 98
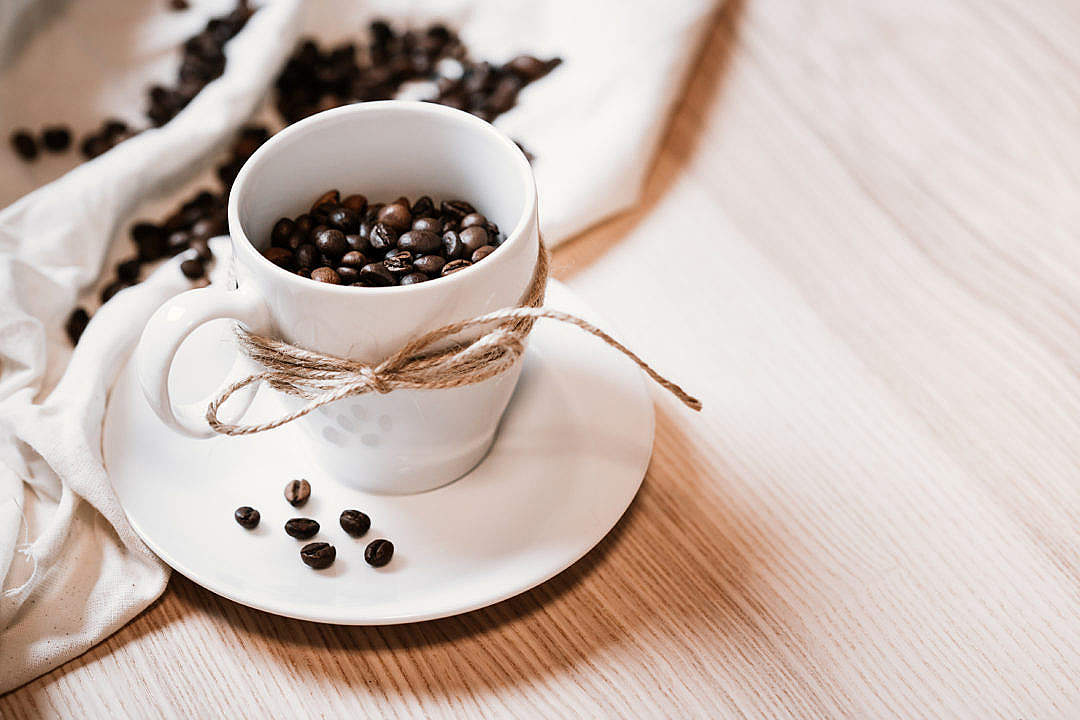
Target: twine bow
323, 379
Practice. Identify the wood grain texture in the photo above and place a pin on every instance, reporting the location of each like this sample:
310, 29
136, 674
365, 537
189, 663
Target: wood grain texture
858, 248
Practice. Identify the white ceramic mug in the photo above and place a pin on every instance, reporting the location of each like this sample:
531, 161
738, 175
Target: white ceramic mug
407, 440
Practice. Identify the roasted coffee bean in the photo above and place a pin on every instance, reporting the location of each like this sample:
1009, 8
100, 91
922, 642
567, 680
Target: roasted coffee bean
305, 223
473, 219
530, 68
56, 138
209, 227
318, 555
297, 492
354, 522
307, 256
24, 144
376, 275
371, 215
327, 198
357, 203
354, 259
178, 5
473, 238
330, 242
279, 256
344, 219
283, 229
456, 208
128, 270
347, 274
112, 288
430, 265
76, 323
301, 528
358, 243
247, 517
149, 239
193, 268
202, 249
453, 266
177, 242
304, 272
382, 237
430, 224
420, 242
413, 278
424, 207
399, 264
453, 248
326, 275
397, 216
378, 552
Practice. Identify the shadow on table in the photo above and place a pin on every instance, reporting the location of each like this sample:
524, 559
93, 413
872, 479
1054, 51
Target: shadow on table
679, 146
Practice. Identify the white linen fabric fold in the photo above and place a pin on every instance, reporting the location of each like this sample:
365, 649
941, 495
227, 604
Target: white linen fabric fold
73, 570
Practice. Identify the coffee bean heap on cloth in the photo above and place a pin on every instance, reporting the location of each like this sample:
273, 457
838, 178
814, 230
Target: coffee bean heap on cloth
320, 555
347, 241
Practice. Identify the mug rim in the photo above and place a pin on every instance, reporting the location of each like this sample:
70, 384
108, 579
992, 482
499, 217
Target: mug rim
266, 152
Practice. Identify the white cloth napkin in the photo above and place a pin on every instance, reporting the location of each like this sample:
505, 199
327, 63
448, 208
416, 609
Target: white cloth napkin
73, 571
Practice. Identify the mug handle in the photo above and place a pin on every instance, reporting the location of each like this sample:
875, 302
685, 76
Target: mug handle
166, 331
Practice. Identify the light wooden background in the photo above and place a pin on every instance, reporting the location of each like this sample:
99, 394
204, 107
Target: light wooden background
859, 247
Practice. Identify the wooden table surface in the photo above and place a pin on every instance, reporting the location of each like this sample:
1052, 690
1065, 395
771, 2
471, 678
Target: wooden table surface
858, 247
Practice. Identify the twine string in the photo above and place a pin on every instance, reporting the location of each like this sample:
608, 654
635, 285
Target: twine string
324, 379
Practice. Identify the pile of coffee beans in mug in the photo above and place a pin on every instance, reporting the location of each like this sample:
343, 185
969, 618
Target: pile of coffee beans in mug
349, 241
320, 555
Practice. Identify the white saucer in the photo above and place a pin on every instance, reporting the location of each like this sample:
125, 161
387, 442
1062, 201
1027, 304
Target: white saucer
569, 457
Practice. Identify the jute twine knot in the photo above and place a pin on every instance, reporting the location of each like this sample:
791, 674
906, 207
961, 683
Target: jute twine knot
323, 379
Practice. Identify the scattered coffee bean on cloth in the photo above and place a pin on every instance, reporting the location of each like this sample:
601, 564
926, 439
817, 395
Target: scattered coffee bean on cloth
297, 492
318, 555
247, 517
349, 241
302, 528
379, 552
354, 522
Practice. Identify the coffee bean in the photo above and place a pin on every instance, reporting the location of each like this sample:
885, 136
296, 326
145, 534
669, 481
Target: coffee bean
247, 517
24, 144
453, 266
304, 272
297, 492
456, 208
330, 242
453, 248
382, 237
112, 288
305, 223
327, 198
318, 555
473, 238
306, 255
301, 528
358, 242
279, 256
202, 249
399, 264
413, 278
420, 242
326, 275
376, 275
371, 215
76, 323
378, 552
354, 522
482, 252
209, 227
283, 229
150, 240
397, 216
344, 219
193, 268
357, 203
528, 67
424, 207
430, 224
354, 259
56, 138
473, 219
178, 5
177, 242
430, 265
128, 270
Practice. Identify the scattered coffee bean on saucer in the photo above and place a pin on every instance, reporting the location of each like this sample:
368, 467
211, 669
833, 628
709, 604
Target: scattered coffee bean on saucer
379, 552
247, 517
301, 528
297, 492
76, 323
24, 144
354, 522
318, 555
56, 138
